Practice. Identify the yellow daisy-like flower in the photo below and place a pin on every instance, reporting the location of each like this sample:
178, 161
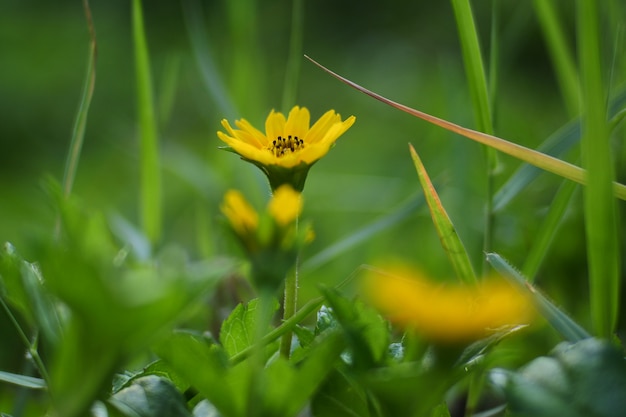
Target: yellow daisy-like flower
447, 313
289, 146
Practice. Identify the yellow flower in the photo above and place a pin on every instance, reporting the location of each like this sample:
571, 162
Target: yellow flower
270, 238
286, 205
242, 217
447, 313
289, 146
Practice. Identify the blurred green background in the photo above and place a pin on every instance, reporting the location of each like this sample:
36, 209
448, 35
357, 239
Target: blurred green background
227, 59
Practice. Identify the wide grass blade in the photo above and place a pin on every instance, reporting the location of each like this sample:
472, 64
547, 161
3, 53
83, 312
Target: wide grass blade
78, 132
538, 159
473, 62
150, 193
600, 211
477, 83
450, 240
561, 322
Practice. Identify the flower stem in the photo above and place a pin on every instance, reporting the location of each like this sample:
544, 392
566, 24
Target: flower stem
289, 308
290, 302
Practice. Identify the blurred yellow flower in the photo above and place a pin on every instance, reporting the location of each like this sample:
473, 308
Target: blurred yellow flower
447, 313
289, 146
241, 216
285, 206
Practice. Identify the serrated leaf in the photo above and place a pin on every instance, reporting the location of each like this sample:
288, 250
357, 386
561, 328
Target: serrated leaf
238, 330
22, 380
150, 396
280, 397
450, 240
366, 330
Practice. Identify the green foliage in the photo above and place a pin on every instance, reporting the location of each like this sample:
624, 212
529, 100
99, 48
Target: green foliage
107, 314
586, 378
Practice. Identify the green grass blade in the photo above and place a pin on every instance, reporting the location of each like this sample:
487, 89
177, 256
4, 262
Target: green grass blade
362, 235
600, 211
538, 159
561, 322
450, 240
150, 193
78, 132
247, 64
213, 82
557, 144
547, 230
295, 56
564, 64
22, 380
477, 83
473, 61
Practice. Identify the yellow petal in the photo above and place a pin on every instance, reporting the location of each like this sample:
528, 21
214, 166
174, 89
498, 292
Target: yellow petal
319, 129
274, 126
297, 123
257, 138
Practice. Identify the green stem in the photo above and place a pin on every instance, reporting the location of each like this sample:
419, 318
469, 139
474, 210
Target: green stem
32, 347
281, 330
289, 308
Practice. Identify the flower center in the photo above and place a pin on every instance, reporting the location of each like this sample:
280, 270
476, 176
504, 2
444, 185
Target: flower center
282, 146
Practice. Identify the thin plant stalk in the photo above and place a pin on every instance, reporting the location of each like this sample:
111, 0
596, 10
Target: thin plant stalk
30, 346
78, 132
290, 303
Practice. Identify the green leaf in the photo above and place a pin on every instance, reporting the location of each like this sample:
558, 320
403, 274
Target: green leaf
22, 380
583, 379
22, 284
340, 396
450, 240
279, 396
441, 411
238, 330
158, 368
150, 396
205, 366
366, 331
